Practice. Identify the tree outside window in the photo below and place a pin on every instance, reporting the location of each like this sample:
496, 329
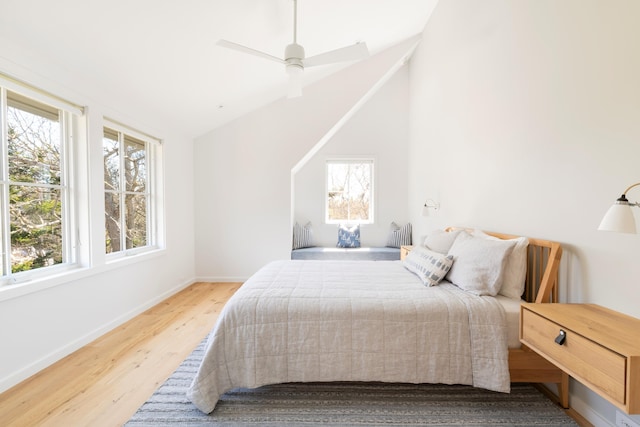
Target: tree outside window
126, 159
43, 226
349, 191
33, 188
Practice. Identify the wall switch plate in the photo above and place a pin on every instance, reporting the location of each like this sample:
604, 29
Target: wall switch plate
623, 421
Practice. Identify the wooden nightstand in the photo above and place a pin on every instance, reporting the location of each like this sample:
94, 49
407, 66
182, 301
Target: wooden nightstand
596, 346
404, 251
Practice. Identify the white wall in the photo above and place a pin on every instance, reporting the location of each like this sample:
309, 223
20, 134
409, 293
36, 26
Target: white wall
379, 130
243, 170
40, 327
525, 119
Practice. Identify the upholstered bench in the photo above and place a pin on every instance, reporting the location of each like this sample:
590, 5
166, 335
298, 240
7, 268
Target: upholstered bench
347, 254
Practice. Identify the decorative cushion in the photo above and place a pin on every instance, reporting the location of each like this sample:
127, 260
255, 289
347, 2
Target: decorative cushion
479, 263
431, 267
349, 237
515, 271
302, 236
399, 236
440, 240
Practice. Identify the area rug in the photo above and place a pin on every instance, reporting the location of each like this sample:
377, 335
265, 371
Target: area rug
348, 404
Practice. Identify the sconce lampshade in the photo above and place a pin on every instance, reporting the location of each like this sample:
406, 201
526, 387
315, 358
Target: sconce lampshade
619, 217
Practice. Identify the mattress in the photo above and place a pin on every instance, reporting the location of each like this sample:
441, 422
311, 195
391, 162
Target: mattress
512, 314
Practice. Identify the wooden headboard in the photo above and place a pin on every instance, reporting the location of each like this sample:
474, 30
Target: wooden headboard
543, 262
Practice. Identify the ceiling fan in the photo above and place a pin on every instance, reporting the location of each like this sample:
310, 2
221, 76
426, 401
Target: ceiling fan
295, 61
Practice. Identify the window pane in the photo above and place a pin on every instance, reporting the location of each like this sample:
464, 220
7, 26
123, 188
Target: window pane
136, 217
349, 191
358, 196
126, 179
33, 142
135, 164
36, 227
111, 154
112, 221
337, 177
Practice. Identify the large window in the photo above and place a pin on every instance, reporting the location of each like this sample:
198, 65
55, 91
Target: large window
47, 175
349, 195
128, 186
34, 207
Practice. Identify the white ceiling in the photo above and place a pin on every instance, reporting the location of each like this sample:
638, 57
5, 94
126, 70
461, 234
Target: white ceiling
161, 54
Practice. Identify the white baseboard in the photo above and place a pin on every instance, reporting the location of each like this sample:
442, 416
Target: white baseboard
222, 279
581, 407
35, 367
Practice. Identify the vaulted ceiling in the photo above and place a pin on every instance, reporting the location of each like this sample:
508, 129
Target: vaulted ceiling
162, 54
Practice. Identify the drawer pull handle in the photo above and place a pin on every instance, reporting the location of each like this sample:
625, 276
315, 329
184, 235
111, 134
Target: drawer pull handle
561, 338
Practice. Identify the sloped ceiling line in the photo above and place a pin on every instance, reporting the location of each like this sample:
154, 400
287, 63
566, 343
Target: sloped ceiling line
357, 106
395, 67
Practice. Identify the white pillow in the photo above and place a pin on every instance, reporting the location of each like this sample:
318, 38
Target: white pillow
479, 263
515, 271
440, 240
431, 267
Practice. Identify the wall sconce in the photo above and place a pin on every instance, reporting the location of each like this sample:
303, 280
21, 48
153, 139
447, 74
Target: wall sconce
429, 205
619, 217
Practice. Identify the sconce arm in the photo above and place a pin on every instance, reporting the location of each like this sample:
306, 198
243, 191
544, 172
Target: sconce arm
630, 187
623, 198
432, 204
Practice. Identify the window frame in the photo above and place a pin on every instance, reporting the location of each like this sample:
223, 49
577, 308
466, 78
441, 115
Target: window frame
68, 115
85, 180
351, 160
153, 185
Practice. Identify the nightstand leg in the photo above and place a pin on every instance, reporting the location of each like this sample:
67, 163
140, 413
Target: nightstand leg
563, 391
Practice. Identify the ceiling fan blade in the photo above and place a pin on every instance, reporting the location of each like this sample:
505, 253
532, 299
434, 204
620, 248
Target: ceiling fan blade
241, 48
348, 53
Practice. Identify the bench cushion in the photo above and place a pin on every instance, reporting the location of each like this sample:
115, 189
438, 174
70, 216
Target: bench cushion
347, 254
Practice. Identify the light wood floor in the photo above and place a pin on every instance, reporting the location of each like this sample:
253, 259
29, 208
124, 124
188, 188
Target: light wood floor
105, 382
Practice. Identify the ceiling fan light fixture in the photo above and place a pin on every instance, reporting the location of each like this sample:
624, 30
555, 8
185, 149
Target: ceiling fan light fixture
294, 89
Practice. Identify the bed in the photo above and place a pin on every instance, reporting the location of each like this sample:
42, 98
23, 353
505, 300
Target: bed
320, 321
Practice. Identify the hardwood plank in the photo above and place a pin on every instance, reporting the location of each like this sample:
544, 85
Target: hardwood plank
103, 383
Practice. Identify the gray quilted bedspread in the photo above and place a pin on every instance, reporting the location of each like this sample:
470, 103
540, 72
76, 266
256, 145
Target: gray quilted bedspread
311, 321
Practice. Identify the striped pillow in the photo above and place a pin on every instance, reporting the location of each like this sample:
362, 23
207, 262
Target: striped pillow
302, 236
399, 236
431, 267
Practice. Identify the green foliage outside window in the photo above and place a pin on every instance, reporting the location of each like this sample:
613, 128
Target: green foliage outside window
34, 184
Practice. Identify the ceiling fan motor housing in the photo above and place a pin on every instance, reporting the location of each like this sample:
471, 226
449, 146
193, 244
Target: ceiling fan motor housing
293, 55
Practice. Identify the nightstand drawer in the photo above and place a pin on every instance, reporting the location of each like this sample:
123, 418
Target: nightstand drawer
580, 357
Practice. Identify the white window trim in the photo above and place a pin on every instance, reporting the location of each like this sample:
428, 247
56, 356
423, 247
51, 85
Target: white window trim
68, 115
18, 86
155, 201
84, 183
32, 285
